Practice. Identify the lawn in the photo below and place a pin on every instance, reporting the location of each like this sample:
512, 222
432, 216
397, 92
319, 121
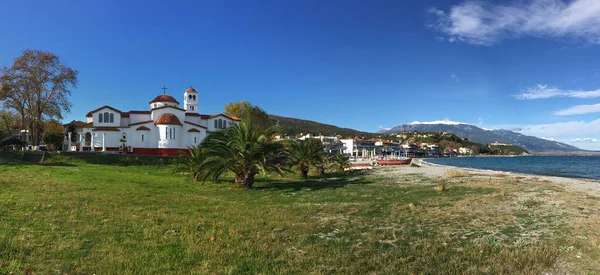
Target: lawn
86, 216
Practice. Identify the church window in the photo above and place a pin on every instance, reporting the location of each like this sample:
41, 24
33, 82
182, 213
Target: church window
216, 123
170, 133
142, 137
100, 118
112, 118
166, 134
105, 117
194, 97
192, 107
220, 124
194, 139
173, 132
190, 96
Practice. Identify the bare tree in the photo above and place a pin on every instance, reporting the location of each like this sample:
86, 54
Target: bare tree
37, 86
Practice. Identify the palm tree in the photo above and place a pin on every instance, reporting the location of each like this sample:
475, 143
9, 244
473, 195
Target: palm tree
299, 155
243, 150
304, 154
192, 161
341, 162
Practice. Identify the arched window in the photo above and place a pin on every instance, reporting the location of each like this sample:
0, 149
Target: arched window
100, 118
166, 134
106, 117
173, 132
112, 118
194, 139
220, 124
142, 138
170, 133
194, 97
215, 123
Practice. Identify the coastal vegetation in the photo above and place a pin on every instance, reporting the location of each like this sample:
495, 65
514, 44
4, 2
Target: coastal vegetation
94, 213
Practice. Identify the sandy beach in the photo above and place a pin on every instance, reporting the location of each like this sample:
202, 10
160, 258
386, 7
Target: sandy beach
436, 171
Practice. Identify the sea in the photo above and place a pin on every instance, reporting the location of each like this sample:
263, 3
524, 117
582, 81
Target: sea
561, 166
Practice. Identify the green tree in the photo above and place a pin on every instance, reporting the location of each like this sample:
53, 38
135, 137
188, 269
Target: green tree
243, 150
37, 86
248, 112
72, 128
54, 139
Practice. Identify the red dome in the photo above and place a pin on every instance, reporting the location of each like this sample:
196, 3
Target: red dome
169, 119
164, 98
190, 90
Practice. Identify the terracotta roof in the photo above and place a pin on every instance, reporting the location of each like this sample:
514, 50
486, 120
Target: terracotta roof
192, 114
197, 125
143, 128
194, 130
105, 106
164, 98
167, 118
124, 114
141, 122
190, 90
167, 106
110, 129
139, 112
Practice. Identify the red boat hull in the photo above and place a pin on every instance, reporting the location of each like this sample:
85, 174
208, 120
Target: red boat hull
394, 161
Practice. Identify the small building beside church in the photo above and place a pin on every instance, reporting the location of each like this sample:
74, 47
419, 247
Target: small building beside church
165, 129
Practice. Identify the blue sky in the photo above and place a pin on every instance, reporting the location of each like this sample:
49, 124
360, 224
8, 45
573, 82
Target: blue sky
526, 65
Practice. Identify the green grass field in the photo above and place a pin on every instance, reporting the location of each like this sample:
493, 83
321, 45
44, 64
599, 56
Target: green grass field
86, 216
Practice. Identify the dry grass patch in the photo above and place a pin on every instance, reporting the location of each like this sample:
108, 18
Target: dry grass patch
456, 173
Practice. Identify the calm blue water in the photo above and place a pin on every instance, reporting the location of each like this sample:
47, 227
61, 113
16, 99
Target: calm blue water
567, 166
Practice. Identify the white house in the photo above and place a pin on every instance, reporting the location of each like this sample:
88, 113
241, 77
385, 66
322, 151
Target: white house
164, 130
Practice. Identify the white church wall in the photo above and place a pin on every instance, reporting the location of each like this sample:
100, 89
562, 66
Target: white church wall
162, 104
116, 118
135, 118
170, 136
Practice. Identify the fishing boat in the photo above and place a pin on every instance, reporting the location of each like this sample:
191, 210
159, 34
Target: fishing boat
401, 161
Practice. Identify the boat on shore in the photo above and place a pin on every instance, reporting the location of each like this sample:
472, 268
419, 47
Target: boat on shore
403, 161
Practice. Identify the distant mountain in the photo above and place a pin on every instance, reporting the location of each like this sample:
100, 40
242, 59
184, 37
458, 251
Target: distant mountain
476, 134
293, 126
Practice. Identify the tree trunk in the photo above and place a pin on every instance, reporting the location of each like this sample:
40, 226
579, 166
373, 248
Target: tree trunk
303, 171
244, 181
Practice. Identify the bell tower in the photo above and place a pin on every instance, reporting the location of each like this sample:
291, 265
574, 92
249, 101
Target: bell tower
190, 100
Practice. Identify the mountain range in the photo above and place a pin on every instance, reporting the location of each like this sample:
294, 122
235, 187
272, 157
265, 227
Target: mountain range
293, 126
485, 136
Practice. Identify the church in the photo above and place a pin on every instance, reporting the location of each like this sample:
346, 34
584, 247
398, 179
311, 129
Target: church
164, 130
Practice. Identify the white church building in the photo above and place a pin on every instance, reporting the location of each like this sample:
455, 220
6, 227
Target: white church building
165, 129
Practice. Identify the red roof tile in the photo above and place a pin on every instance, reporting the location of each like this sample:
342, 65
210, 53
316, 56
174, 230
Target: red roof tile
168, 119
164, 98
143, 128
194, 130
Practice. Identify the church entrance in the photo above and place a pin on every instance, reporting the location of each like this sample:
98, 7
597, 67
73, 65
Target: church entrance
88, 139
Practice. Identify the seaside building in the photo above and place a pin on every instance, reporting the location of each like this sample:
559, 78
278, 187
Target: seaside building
359, 148
164, 129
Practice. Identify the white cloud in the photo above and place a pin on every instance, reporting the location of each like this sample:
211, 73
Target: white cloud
574, 140
543, 91
455, 77
579, 110
582, 134
482, 23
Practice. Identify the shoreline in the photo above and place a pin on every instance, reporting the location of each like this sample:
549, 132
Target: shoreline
431, 170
